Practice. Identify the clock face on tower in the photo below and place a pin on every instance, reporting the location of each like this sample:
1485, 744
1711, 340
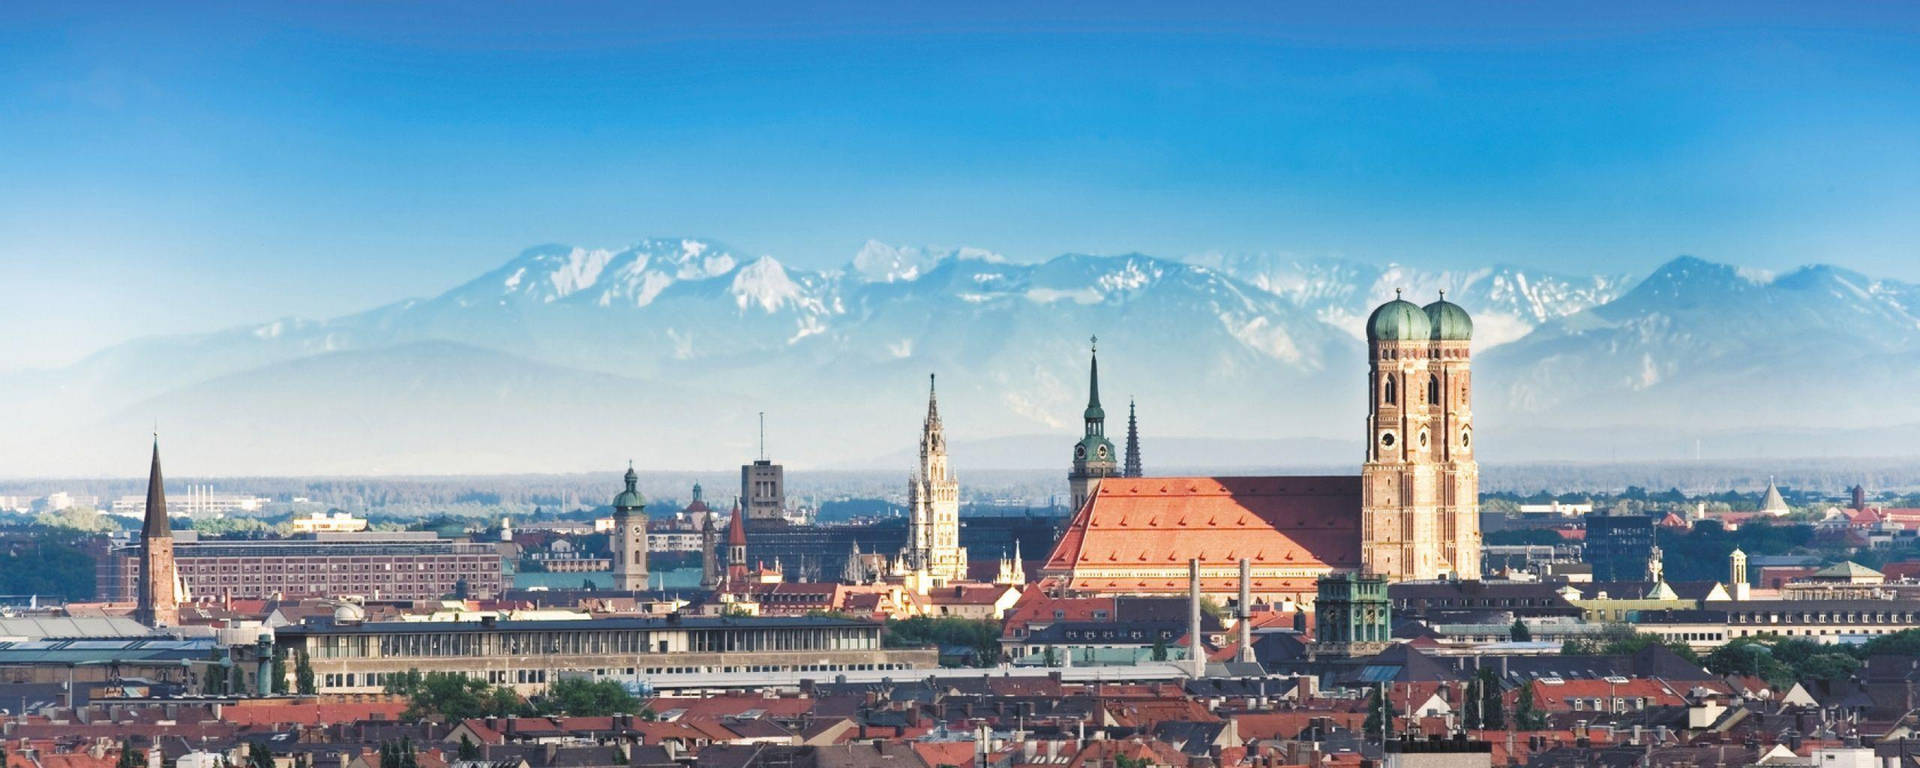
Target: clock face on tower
1079, 451
1103, 451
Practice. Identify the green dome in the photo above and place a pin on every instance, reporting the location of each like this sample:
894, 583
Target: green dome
1398, 320
1449, 321
630, 498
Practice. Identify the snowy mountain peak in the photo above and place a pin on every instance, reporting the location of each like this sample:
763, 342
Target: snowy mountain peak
878, 262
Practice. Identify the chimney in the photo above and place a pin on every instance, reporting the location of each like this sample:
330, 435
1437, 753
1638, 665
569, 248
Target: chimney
1246, 611
1196, 651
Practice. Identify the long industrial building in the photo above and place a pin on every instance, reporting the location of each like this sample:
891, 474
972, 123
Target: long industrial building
414, 565
353, 657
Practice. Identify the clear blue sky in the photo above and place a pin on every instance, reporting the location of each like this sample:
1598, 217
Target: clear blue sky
172, 170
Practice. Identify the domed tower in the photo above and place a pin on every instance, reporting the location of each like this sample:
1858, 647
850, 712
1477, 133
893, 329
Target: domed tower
1093, 456
1449, 397
629, 538
1400, 527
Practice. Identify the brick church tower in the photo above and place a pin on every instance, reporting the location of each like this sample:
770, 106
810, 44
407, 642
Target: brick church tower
159, 604
1420, 484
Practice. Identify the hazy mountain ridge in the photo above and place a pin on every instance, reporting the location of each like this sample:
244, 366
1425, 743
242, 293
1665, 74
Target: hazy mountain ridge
669, 346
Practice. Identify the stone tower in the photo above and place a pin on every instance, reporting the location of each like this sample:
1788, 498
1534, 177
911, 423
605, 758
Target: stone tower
1132, 467
159, 604
933, 503
629, 539
709, 554
1420, 484
1093, 456
1351, 615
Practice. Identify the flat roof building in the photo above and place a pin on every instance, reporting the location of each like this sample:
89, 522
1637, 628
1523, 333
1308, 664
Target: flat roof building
411, 565
529, 655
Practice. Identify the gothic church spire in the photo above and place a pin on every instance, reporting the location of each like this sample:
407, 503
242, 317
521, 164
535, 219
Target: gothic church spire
1132, 468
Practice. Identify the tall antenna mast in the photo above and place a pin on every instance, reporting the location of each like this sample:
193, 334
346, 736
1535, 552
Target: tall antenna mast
763, 435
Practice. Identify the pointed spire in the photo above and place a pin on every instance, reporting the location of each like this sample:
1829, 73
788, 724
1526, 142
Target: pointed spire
1095, 415
157, 526
737, 530
933, 406
1773, 503
1132, 468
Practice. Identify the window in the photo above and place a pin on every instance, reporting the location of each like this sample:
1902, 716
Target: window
1387, 395
1433, 389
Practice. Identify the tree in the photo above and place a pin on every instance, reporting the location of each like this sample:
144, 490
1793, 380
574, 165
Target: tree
278, 681
1380, 715
1519, 632
1753, 656
1048, 658
1493, 706
587, 698
1903, 643
303, 675
982, 636
258, 756
1159, 649
453, 696
471, 751
1527, 715
130, 757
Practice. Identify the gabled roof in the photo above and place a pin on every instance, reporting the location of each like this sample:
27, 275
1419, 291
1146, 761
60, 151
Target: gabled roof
1845, 570
1307, 521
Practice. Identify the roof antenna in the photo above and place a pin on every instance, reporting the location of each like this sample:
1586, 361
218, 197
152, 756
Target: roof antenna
763, 435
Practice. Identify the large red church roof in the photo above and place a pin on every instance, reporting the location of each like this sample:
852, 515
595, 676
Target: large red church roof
1310, 522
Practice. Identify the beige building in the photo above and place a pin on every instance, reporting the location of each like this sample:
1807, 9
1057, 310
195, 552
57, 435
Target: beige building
321, 522
1420, 485
353, 657
933, 555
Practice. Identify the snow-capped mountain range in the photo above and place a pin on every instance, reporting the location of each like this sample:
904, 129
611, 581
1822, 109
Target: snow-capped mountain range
568, 358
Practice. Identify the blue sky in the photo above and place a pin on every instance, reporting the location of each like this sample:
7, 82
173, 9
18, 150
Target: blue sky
171, 170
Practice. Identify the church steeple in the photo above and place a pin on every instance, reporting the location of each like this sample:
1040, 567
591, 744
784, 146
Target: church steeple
157, 526
1132, 467
1093, 456
933, 437
159, 598
1096, 417
933, 549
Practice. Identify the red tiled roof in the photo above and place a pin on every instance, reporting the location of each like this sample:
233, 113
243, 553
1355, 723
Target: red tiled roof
938, 753
310, 713
1307, 522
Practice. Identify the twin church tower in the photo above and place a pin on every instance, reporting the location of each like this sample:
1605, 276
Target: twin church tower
1419, 487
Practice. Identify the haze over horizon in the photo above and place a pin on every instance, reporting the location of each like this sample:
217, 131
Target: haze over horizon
180, 171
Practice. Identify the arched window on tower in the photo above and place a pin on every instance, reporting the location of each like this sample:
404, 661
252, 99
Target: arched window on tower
1386, 391
1433, 389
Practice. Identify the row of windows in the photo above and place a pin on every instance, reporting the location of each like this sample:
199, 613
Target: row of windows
591, 642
